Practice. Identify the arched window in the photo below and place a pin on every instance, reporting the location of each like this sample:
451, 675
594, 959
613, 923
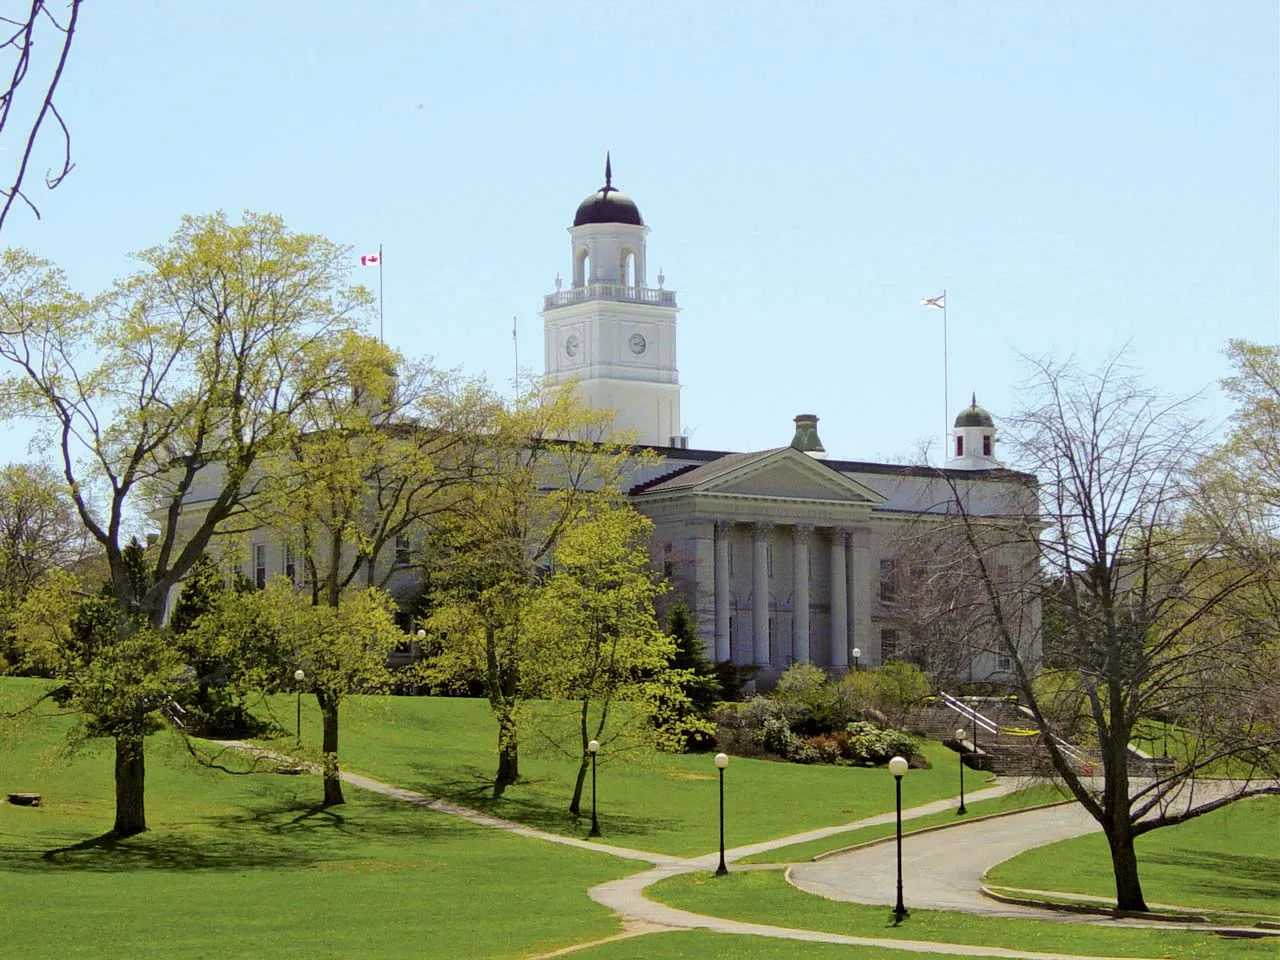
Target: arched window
627, 267
986, 444
582, 268
959, 446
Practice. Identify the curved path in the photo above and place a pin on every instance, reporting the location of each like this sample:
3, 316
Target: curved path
943, 869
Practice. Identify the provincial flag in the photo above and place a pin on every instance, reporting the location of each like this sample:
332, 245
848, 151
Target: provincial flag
935, 303
370, 259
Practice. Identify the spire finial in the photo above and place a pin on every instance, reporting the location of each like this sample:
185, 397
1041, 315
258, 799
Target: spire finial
608, 171
974, 400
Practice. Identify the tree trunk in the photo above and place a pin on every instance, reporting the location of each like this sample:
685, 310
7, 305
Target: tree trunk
1124, 863
508, 755
131, 815
575, 806
332, 780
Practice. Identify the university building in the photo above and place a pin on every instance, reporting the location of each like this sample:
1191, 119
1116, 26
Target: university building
782, 554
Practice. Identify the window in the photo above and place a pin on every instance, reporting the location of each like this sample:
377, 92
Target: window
773, 639
729, 547
668, 561
1002, 576
959, 446
888, 581
1004, 662
986, 444
402, 550
290, 564
259, 565
888, 645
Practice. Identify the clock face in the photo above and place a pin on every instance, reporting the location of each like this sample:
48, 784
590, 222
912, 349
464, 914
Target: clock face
637, 344
571, 345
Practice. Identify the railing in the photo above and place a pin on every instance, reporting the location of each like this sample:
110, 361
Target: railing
968, 712
609, 291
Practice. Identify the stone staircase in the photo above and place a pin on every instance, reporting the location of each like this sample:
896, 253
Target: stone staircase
1000, 736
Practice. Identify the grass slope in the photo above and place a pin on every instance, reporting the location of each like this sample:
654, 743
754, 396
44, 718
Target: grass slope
659, 802
1019, 800
763, 896
249, 866
1225, 860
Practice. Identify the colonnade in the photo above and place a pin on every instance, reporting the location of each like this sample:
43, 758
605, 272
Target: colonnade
848, 597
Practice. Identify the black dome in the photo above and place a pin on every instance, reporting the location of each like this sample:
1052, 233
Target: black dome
974, 416
607, 205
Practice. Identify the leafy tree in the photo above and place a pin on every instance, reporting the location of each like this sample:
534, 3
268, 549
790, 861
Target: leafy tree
1152, 616
548, 464
377, 455
39, 532
268, 634
172, 388
593, 638
700, 689
121, 677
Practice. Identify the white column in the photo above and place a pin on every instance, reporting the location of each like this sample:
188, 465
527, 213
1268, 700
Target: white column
800, 592
760, 592
839, 600
702, 541
861, 593
723, 529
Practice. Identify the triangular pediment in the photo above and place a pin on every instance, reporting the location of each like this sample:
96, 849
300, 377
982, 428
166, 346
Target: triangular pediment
783, 474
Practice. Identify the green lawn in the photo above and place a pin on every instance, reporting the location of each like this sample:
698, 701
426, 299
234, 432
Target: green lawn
1019, 800
763, 896
1225, 860
446, 747
705, 945
248, 866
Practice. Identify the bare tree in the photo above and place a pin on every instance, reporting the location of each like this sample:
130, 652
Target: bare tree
1147, 618
39, 75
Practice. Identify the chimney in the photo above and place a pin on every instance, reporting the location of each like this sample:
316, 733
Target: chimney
806, 438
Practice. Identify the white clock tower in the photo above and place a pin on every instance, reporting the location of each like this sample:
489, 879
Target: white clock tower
610, 331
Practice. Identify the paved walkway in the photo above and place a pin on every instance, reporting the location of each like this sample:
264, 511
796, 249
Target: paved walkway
943, 869
641, 915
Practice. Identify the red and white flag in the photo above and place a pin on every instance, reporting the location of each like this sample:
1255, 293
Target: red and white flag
935, 303
370, 259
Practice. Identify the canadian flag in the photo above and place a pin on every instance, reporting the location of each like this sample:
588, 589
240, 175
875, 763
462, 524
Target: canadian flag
369, 259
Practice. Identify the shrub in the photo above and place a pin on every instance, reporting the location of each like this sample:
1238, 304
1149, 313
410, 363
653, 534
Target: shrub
868, 744
815, 708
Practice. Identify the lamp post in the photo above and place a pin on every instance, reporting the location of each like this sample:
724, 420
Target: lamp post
856, 654
897, 767
960, 739
593, 748
722, 761
298, 677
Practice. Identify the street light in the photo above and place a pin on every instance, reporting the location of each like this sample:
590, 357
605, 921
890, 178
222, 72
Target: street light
897, 767
298, 677
960, 741
722, 761
856, 654
593, 748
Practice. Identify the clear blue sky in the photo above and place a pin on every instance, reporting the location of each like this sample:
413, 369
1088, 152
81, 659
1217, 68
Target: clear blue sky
1077, 176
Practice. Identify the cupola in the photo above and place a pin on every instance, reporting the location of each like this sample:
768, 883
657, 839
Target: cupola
973, 440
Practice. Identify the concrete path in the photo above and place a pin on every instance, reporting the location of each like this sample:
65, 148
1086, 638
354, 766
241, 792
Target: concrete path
943, 869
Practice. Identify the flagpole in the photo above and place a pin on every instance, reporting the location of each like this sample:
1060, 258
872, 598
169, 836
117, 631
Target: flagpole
515, 345
380, 337
946, 387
